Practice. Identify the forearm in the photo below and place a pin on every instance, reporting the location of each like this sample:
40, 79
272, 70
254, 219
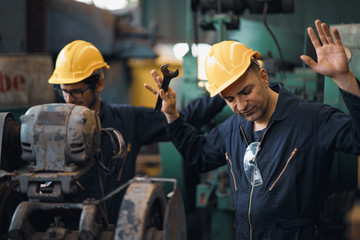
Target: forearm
172, 117
348, 83
352, 102
201, 110
195, 148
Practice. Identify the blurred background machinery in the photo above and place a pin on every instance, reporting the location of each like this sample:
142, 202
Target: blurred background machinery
136, 36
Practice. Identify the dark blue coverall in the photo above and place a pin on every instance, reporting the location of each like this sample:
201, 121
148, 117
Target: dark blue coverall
295, 157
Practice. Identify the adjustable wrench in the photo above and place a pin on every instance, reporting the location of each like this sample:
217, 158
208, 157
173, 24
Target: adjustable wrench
168, 75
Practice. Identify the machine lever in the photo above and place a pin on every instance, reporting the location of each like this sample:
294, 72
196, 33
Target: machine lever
168, 75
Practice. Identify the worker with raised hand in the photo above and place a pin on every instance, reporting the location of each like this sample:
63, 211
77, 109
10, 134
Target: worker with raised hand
79, 74
278, 148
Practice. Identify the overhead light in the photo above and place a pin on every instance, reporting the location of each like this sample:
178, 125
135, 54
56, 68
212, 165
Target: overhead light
110, 5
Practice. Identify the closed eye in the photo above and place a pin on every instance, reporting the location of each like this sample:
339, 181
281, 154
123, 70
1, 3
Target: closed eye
229, 99
246, 91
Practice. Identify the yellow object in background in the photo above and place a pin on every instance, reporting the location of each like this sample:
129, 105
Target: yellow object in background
140, 73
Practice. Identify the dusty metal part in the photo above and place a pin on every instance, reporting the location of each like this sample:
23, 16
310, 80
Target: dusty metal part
59, 141
5, 174
57, 137
47, 194
175, 220
39, 220
146, 213
142, 209
25, 177
117, 140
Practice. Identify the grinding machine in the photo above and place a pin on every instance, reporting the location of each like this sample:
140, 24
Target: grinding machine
59, 143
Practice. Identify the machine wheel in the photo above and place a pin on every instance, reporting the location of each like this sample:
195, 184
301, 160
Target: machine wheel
141, 215
175, 219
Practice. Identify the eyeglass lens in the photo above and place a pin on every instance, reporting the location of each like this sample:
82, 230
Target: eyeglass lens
250, 166
65, 93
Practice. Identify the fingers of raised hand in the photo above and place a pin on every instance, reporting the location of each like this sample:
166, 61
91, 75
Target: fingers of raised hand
324, 34
337, 36
329, 37
309, 61
315, 41
320, 27
151, 89
157, 78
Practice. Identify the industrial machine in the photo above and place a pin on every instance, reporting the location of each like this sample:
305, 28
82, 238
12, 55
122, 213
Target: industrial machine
61, 142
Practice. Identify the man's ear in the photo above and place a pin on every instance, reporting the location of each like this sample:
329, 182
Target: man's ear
264, 77
100, 85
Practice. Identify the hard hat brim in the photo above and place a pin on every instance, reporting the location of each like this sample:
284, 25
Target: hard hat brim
56, 79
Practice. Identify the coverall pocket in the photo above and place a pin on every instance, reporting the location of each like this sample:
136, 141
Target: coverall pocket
232, 175
283, 170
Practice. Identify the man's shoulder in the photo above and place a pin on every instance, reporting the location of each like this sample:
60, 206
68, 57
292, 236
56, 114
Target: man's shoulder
116, 107
233, 122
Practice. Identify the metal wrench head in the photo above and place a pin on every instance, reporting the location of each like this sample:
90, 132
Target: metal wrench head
167, 73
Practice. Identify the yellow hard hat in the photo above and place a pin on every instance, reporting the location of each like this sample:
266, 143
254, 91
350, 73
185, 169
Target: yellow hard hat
77, 61
226, 62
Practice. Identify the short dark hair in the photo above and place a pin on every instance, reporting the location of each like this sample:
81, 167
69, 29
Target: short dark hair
254, 65
91, 79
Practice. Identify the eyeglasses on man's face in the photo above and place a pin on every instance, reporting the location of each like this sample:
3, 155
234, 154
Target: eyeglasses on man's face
74, 93
251, 169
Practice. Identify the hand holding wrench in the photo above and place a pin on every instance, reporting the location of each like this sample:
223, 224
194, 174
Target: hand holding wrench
168, 75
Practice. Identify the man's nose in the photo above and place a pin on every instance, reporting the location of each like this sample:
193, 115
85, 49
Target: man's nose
69, 98
241, 104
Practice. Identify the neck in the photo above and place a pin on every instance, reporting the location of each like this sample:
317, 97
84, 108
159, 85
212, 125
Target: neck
271, 106
97, 107
95, 104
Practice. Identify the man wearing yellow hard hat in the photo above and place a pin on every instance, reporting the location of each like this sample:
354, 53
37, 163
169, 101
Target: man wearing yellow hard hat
278, 147
79, 74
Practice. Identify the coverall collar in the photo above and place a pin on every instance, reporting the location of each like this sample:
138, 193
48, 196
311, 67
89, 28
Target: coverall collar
283, 107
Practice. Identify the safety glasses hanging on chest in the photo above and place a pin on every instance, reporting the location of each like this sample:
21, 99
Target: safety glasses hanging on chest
251, 169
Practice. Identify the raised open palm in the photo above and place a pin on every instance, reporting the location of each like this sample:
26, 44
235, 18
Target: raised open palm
331, 57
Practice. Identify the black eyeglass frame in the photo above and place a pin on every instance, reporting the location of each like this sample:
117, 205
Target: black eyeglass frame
60, 91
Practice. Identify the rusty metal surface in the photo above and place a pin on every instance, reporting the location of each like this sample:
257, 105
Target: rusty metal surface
175, 220
57, 137
142, 209
39, 220
146, 213
60, 142
65, 178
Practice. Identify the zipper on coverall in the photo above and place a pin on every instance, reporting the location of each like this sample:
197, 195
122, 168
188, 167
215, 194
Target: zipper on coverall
252, 185
231, 169
281, 173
